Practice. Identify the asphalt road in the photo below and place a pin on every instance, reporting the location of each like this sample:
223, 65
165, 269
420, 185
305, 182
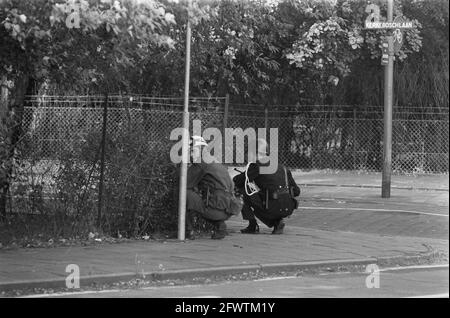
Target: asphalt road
406, 282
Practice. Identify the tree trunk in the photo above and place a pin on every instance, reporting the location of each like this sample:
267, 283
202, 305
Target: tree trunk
11, 132
3, 98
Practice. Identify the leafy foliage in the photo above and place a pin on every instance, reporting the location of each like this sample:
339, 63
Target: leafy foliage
110, 38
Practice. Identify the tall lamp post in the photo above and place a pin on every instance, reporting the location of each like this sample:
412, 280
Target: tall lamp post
388, 97
389, 47
185, 136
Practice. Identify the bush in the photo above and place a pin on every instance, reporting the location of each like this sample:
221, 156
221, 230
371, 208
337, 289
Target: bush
58, 197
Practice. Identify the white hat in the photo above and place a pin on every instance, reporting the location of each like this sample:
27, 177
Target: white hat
262, 146
197, 141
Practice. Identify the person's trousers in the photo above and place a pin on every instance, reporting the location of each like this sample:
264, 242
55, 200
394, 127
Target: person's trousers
195, 203
254, 206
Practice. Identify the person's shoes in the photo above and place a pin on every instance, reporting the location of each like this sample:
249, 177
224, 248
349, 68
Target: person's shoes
279, 227
190, 232
190, 235
220, 230
252, 228
219, 234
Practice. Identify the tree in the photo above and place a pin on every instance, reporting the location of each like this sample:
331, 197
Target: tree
333, 43
77, 43
231, 51
424, 79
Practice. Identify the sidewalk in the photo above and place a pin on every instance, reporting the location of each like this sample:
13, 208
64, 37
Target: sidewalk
236, 253
297, 248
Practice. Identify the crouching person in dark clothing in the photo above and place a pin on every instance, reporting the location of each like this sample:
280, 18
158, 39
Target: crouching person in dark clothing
210, 192
273, 198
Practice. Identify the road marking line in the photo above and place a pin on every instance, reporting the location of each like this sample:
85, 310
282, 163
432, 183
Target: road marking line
334, 273
120, 290
372, 210
274, 278
75, 293
412, 267
443, 295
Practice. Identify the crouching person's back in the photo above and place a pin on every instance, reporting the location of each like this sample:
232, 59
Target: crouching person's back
210, 192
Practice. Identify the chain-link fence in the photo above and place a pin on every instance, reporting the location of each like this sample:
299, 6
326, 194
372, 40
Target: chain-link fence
100, 161
105, 159
54, 124
309, 136
351, 137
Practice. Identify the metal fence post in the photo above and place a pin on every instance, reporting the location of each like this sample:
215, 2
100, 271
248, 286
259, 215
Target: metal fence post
266, 119
3, 114
102, 162
354, 137
225, 112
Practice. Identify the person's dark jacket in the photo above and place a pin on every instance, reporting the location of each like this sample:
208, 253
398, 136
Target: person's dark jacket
271, 182
213, 181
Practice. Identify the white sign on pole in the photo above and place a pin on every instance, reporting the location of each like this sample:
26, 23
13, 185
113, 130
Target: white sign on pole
398, 34
389, 25
373, 22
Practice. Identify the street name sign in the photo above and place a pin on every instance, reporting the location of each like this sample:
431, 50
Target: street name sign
388, 25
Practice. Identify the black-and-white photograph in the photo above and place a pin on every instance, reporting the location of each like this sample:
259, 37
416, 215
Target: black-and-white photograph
224, 155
